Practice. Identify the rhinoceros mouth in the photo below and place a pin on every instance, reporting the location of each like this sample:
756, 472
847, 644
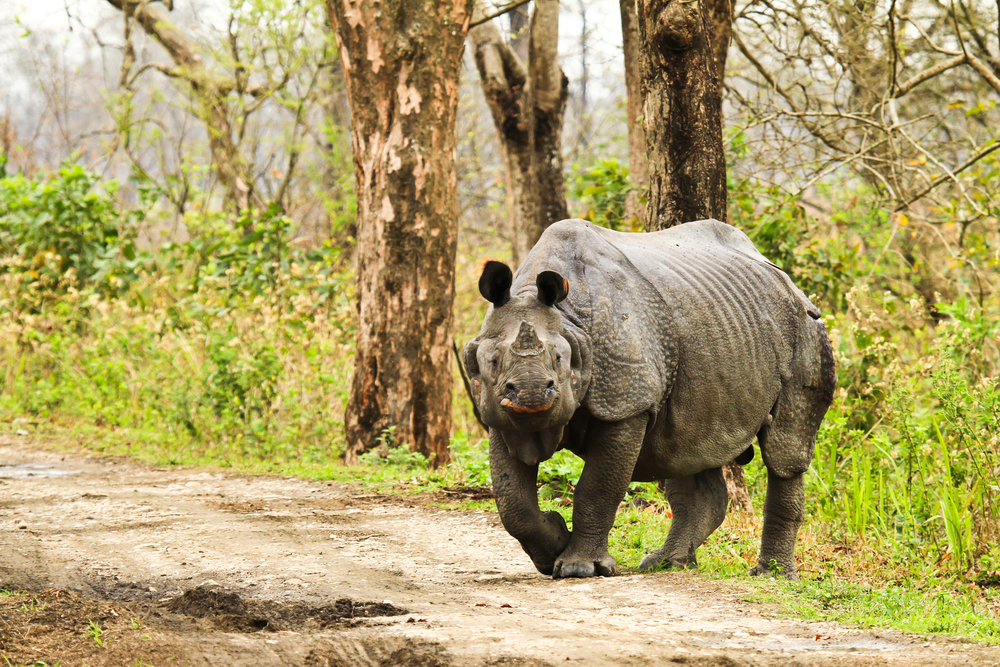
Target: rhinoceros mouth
526, 409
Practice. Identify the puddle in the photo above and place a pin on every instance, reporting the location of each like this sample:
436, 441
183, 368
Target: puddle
30, 470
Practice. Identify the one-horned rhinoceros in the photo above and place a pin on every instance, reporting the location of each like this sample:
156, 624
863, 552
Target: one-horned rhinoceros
652, 356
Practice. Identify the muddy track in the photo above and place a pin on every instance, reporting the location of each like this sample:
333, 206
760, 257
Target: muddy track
188, 567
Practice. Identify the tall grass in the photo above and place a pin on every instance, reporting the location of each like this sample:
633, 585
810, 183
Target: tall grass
908, 454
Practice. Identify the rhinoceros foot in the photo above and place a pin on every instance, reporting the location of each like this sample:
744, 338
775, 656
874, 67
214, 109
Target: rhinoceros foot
602, 565
657, 560
774, 570
549, 543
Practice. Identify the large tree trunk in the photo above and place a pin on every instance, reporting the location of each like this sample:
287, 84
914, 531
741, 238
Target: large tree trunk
682, 114
638, 169
682, 55
527, 105
720, 17
401, 61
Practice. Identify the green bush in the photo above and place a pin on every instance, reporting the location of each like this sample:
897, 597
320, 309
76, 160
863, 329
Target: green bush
908, 454
602, 190
232, 346
57, 230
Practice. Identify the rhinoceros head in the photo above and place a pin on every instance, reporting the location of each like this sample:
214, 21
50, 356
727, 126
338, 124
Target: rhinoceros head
524, 366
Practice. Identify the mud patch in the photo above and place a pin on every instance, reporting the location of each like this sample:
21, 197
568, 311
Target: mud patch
410, 654
243, 507
60, 627
469, 492
226, 611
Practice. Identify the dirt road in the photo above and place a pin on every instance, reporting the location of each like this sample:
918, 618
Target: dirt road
188, 567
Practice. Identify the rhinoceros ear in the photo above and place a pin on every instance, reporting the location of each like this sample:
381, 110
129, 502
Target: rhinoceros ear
552, 288
470, 362
494, 284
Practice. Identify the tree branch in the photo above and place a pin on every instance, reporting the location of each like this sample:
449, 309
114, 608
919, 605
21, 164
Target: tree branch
928, 73
984, 71
813, 128
500, 70
965, 165
543, 57
507, 8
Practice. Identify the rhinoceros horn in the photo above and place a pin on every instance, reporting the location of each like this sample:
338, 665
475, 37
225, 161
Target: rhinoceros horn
527, 344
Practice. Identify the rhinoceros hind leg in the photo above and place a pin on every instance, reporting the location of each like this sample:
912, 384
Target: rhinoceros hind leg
783, 514
787, 444
698, 503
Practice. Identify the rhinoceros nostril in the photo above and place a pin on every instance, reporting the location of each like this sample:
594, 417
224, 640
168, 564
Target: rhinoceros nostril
510, 389
551, 385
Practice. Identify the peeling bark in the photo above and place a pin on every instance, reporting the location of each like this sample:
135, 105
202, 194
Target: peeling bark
401, 63
683, 124
527, 104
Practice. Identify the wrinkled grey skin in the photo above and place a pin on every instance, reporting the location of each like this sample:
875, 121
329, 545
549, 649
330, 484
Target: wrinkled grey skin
669, 353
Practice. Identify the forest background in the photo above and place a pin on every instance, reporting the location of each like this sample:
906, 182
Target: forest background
178, 253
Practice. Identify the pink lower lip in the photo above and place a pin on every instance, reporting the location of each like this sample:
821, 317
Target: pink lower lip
507, 403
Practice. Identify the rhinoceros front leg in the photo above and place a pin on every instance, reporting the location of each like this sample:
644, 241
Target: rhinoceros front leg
543, 536
698, 503
611, 450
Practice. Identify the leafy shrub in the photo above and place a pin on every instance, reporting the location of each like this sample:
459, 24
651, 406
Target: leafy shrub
470, 457
602, 190
560, 474
909, 453
243, 380
59, 229
232, 346
820, 263
392, 455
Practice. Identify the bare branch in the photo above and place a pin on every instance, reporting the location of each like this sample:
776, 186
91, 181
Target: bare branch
543, 57
500, 71
928, 74
984, 71
507, 8
814, 129
965, 165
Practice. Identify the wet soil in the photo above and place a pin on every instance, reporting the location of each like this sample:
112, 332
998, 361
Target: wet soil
193, 567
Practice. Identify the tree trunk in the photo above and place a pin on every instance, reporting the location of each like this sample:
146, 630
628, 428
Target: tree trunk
682, 113
736, 485
401, 62
682, 57
720, 14
638, 169
720, 18
528, 105
519, 21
